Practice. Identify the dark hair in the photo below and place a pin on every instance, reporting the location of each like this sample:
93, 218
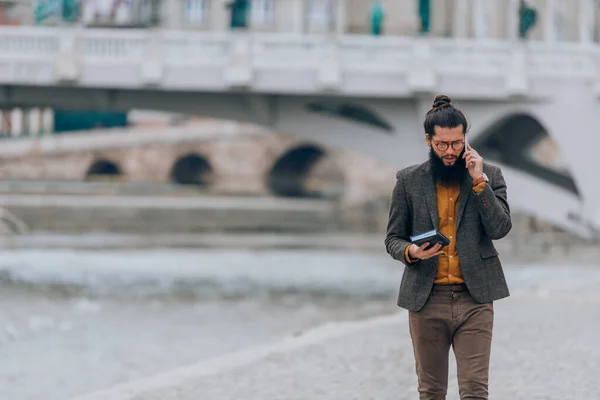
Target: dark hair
444, 114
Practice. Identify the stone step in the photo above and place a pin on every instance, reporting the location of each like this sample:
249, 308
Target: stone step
136, 214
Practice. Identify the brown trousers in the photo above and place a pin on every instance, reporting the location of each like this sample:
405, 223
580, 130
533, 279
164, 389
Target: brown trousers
452, 318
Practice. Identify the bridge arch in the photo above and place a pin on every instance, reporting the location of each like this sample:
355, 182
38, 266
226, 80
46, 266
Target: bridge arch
103, 169
306, 170
521, 141
352, 112
192, 169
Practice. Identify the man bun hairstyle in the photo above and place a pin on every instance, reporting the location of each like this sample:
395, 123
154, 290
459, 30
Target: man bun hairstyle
441, 100
445, 115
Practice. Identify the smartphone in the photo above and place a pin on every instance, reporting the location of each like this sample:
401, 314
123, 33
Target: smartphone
433, 237
466, 148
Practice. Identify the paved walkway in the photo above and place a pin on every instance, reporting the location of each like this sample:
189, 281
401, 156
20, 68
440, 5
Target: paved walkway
545, 347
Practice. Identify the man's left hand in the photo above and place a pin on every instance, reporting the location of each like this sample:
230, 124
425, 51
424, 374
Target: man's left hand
473, 162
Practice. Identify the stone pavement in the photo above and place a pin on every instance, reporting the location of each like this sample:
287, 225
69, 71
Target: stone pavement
545, 347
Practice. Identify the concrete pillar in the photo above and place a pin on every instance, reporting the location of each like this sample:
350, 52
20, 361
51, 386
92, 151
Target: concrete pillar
460, 13
483, 15
48, 120
220, 15
40, 119
340, 17
298, 13
172, 10
447, 19
549, 21
16, 122
438, 18
512, 19
565, 20
34, 119
479, 24
26, 122
587, 19
4, 123
517, 83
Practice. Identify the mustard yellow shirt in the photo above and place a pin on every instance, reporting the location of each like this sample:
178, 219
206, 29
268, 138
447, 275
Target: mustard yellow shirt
448, 270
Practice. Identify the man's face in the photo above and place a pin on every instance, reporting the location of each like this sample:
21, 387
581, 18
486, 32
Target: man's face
451, 138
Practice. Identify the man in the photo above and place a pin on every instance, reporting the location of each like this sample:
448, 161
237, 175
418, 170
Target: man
377, 18
527, 19
449, 291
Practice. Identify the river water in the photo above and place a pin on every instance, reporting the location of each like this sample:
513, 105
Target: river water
74, 321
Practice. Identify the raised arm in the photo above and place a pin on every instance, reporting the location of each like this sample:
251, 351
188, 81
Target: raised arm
493, 206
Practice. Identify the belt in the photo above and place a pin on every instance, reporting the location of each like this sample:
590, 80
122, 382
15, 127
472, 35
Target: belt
450, 288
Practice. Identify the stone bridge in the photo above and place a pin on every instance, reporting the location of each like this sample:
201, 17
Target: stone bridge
222, 158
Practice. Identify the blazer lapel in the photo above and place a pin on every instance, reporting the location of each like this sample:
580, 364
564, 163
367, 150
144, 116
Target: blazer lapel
465, 193
429, 191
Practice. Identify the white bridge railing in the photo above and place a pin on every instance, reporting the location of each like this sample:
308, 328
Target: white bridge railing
218, 60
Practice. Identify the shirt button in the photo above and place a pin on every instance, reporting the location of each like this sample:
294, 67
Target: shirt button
450, 275
450, 198
450, 237
450, 218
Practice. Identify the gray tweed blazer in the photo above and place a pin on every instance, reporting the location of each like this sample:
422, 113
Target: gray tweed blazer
481, 218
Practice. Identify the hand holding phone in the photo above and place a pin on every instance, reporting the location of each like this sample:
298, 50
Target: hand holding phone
427, 245
425, 251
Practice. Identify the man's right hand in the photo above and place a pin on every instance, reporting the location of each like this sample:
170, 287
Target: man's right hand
418, 252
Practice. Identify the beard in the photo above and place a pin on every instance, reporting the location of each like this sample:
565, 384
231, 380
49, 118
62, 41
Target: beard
448, 174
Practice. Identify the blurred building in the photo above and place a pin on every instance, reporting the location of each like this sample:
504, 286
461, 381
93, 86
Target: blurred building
519, 78
564, 20
15, 12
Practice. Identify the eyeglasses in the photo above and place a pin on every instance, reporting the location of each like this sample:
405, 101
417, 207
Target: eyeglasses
443, 146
